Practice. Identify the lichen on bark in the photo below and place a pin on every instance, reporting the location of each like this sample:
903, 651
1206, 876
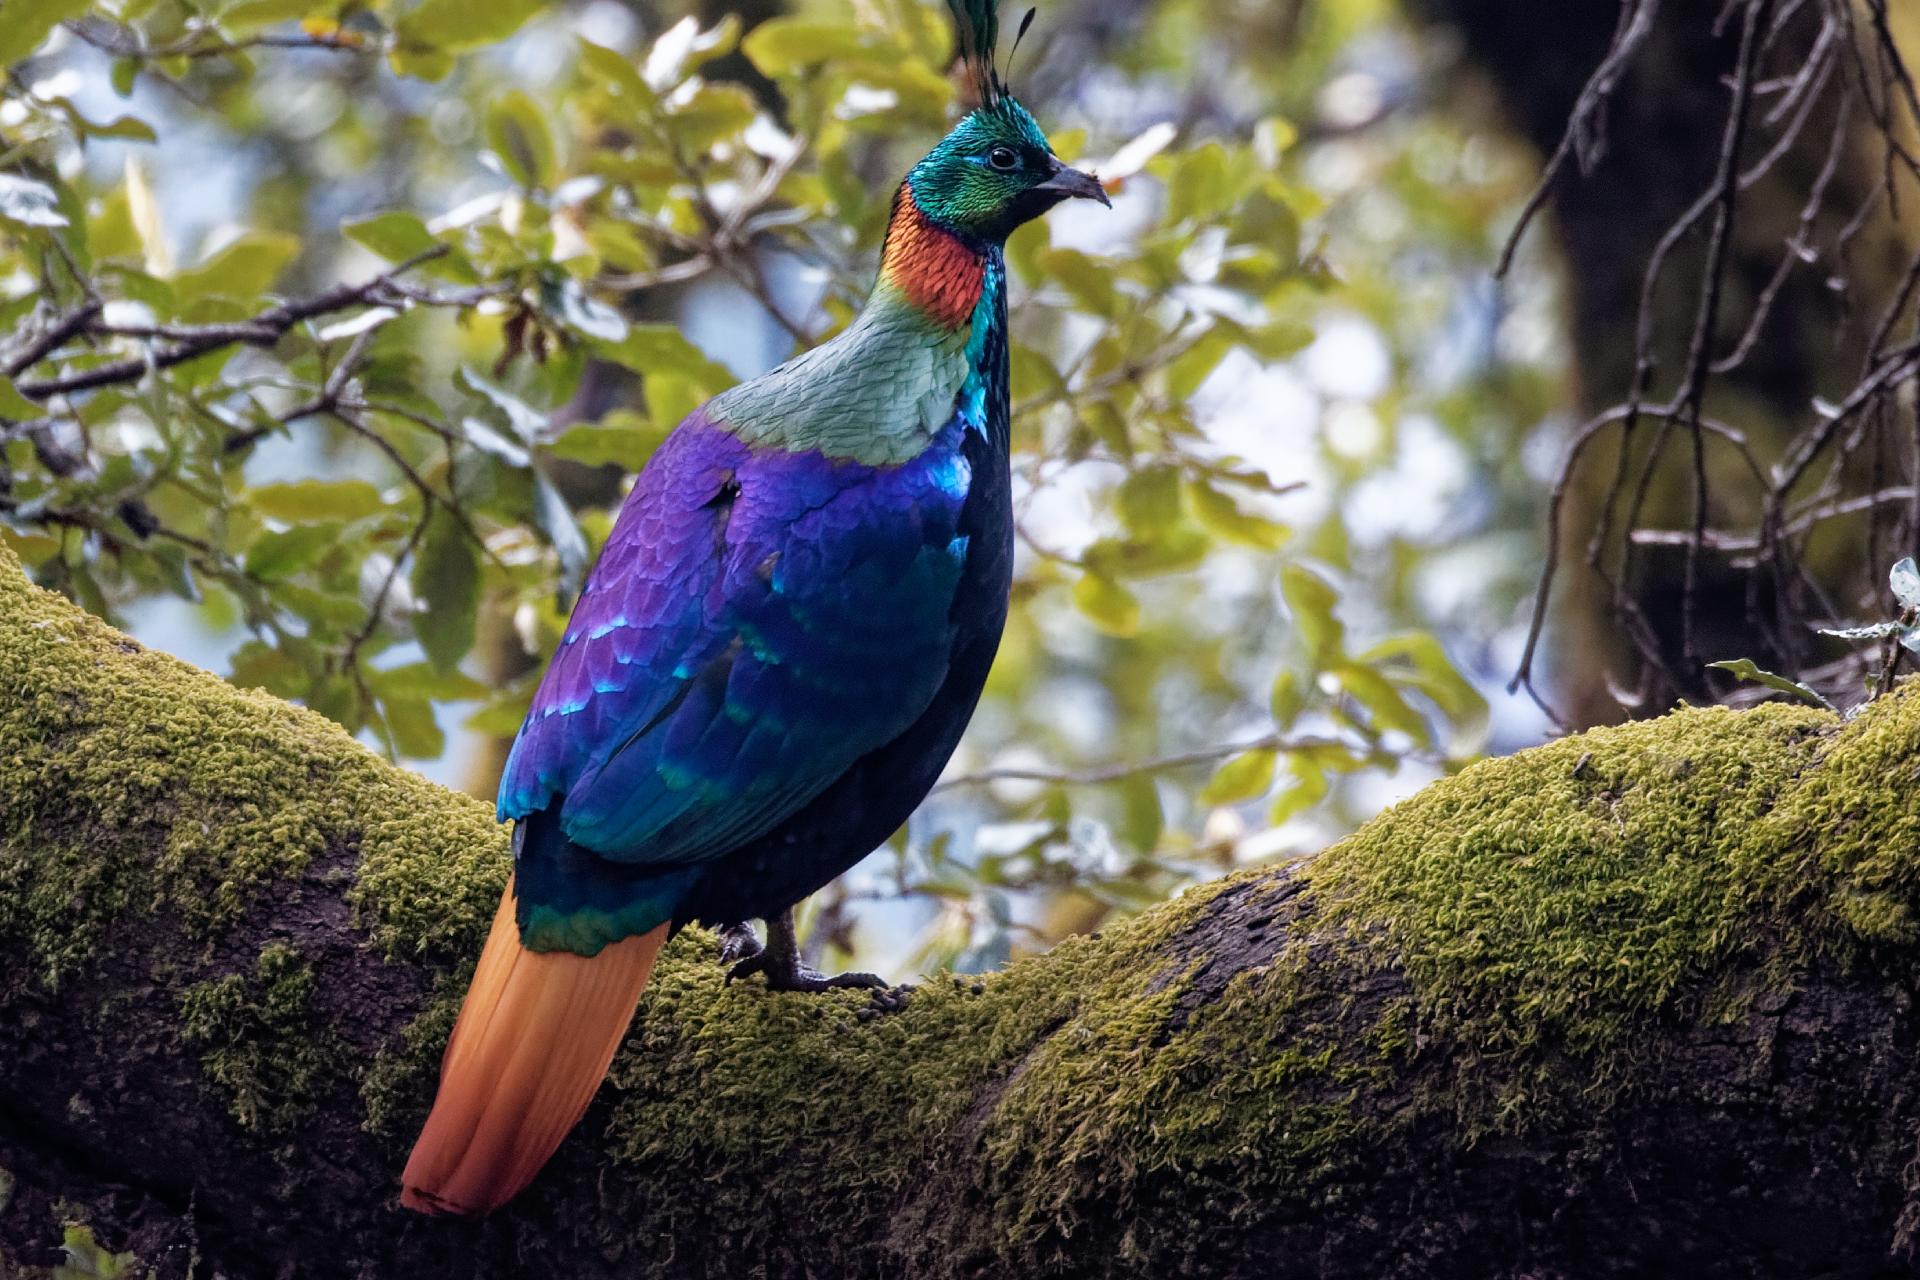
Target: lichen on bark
1556, 988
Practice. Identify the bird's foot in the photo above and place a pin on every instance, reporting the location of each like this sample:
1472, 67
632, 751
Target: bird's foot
780, 964
738, 944
795, 976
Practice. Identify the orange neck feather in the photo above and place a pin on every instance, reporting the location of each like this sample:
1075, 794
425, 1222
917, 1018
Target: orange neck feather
937, 271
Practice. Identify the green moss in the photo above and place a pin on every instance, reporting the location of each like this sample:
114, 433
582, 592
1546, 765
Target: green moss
1509, 950
1552, 903
136, 788
87, 1260
111, 751
255, 1037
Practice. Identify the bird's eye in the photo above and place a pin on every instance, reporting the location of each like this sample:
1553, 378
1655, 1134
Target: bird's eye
1003, 159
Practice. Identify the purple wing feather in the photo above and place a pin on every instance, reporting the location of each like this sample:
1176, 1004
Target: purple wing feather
757, 621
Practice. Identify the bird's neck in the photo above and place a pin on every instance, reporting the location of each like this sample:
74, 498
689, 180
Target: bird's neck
940, 273
929, 345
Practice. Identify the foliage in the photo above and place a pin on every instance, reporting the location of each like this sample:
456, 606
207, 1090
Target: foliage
1902, 633
371, 425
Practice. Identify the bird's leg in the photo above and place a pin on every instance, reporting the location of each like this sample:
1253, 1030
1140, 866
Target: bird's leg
779, 960
737, 943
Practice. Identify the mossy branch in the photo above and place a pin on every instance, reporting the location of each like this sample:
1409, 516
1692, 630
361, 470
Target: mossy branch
1640, 1000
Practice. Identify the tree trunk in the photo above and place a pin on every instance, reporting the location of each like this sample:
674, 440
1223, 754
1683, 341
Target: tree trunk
1663, 129
1638, 1002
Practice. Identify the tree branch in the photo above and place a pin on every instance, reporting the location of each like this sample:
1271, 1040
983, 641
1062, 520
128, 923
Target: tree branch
192, 341
1563, 1009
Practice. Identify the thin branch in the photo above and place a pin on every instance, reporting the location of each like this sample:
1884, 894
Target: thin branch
192, 341
1103, 774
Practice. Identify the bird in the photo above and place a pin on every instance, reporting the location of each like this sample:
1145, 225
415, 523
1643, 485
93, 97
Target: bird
770, 663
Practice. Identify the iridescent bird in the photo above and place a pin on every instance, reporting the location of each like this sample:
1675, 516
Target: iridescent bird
773, 659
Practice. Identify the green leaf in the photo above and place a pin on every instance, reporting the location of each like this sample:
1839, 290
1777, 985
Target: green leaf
1747, 669
1222, 515
426, 681
13, 404
601, 444
555, 518
26, 23
282, 553
1311, 599
1107, 604
252, 14
1309, 788
1287, 699
713, 113
34, 549
258, 665
1090, 282
1198, 187
616, 70
1172, 550
446, 582
780, 45
1143, 818
328, 608
1149, 499
1280, 339
394, 235
29, 203
416, 731
423, 39
1264, 219
1242, 778
500, 717
245, 268
1186, 371
518, 134
1434, 675
123, 128
87, 1260
663, 349
1383, 702
309, 500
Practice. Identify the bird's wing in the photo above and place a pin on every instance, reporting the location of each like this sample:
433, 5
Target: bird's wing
757, 622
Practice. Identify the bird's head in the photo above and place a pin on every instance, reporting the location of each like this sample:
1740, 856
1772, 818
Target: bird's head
995, 170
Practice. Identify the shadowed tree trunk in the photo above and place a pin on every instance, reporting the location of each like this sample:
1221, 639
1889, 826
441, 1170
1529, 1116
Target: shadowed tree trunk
1638, 1002
1660, 136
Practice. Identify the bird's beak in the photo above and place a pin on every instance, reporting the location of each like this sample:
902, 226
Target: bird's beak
1072, 183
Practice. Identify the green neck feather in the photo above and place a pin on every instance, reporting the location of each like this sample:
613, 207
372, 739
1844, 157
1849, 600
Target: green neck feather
881, 390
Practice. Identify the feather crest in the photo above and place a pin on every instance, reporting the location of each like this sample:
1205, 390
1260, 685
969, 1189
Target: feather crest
976, 26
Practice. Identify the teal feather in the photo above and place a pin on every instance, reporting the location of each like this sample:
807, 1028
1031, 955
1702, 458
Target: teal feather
976, 25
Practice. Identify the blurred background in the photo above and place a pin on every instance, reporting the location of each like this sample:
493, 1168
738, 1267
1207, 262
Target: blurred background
1285, 442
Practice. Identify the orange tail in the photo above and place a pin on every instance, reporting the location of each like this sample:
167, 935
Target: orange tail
532, 1043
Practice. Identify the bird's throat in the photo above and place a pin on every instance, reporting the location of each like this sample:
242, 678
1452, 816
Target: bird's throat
940, 273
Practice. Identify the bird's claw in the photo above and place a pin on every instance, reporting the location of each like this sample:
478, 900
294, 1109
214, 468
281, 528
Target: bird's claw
800, 977
779, 962
738, 943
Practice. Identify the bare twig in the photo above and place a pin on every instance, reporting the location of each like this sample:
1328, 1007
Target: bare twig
192, 341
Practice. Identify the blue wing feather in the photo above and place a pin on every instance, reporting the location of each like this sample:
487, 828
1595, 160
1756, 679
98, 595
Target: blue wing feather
758, 621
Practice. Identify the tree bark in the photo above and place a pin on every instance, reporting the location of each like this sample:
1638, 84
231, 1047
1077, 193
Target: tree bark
1636, 1002
1663, 129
